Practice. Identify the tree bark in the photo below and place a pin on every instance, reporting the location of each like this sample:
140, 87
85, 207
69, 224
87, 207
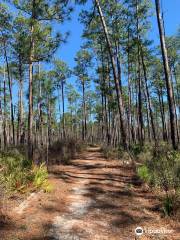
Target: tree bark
30, 116
5, 111
84, 112
31, 58
10, 92
63, 107
116, 80
167, 75
148, 97
140, 114
20, 110
161, 106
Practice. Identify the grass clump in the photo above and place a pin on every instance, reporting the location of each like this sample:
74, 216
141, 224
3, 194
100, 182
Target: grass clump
144, 174
168, 205
40, 178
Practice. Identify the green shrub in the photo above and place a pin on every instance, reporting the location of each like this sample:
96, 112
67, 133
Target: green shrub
144, 174
136, 149
17, 172
13, 159
165, 170
40, 175
110, 152
13, 176
162, 171
142, 153
168, 205
40, 178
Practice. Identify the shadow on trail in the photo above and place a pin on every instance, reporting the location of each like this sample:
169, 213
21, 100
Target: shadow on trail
114, 199
114, 189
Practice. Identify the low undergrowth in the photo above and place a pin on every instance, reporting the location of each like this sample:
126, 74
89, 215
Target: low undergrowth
158, 166
40, 178
62, 151
110, 152
161, 170
19, 174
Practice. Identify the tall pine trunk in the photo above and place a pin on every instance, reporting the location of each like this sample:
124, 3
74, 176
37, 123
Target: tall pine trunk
63, 108
148, 97
30, 116
140, 114
84, 126
10, 93
5, 111
20, 105
167, 75
116, 80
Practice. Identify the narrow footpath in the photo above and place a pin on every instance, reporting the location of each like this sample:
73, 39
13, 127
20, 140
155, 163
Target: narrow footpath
93, 199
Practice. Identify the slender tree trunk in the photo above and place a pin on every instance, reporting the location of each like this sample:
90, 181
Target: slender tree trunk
102, 112
140, 114
63, 108
116, 80
118, 66
129, 114
177, 101
167, 75
30, 117
147, 116
148, 97
31, 59
39, 107
10, 92
59, 106
20, 110
72, 126
175, 108
161, 105
104, 98
1, 119
108, 106
5, 111
84, 112
41, 113
49, 121
177, 88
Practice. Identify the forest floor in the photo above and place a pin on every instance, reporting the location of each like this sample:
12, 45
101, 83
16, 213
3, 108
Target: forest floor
94, 199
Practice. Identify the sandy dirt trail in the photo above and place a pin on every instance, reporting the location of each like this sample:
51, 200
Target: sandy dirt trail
93, 199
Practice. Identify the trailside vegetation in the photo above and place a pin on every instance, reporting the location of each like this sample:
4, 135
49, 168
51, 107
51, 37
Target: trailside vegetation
122, 93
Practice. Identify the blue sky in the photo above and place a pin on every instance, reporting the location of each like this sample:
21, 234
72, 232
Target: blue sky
67, 52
